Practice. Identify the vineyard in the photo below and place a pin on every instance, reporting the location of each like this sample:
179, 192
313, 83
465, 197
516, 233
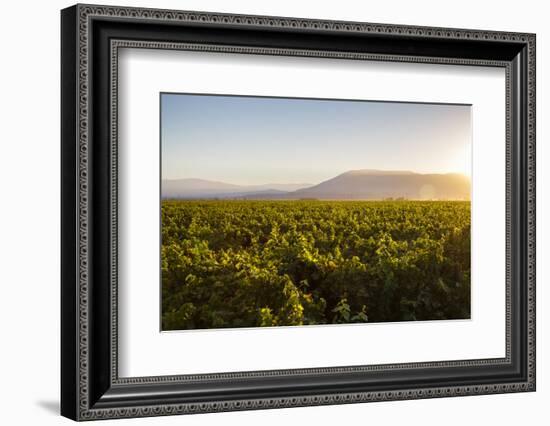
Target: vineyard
281, 263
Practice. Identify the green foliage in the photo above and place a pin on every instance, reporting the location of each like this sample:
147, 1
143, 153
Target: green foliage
273, 263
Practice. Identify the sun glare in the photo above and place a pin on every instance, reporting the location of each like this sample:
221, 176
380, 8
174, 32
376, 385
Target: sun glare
462, 161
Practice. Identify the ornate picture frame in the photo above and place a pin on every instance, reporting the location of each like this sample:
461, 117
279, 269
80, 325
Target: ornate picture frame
91, 37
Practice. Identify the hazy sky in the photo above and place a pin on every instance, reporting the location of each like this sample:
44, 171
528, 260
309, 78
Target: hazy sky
254, 140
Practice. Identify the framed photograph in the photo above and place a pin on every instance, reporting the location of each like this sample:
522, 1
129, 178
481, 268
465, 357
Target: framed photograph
263, 212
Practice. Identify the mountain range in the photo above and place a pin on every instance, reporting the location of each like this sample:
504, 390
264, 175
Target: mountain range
352, 185
201, 188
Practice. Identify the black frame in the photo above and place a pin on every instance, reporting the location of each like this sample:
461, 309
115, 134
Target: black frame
91, 37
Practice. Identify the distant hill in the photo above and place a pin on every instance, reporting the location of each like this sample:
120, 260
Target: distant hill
352, 185
201, 188
377, 184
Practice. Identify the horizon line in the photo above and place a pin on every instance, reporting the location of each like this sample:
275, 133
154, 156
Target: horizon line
404, 172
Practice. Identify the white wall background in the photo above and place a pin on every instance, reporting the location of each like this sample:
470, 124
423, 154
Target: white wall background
29, 216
